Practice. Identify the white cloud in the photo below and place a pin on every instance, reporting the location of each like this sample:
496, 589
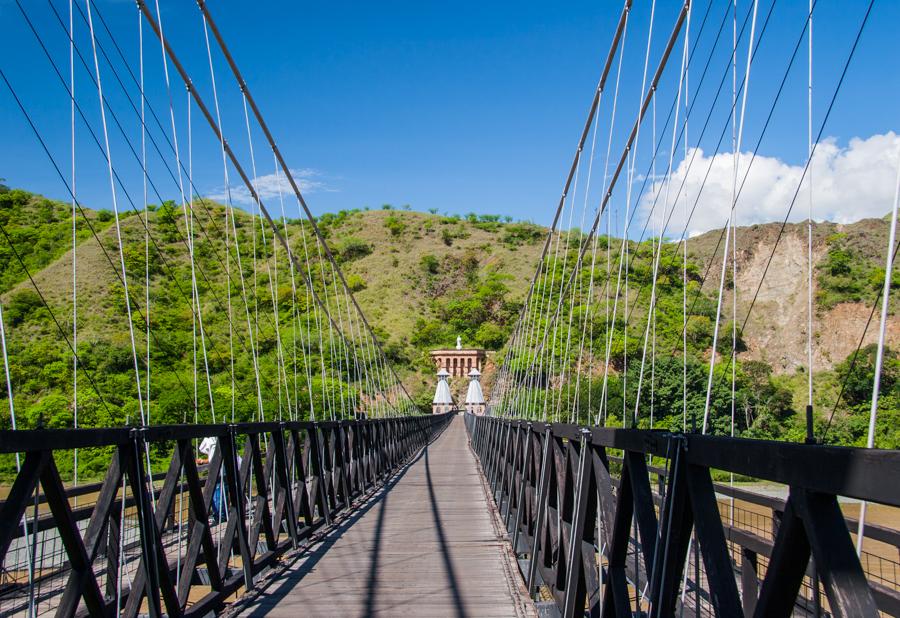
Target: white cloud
849, 183
268, 186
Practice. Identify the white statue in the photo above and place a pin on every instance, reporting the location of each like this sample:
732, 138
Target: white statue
458, 342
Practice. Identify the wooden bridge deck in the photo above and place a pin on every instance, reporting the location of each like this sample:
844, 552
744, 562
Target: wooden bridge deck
426, 545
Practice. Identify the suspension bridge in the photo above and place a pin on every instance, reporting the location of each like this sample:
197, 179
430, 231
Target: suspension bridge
257, 452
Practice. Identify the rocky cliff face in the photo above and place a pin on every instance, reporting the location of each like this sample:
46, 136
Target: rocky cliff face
776, 275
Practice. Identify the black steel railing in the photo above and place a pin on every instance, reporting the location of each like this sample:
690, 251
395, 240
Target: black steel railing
596, 535
182, 542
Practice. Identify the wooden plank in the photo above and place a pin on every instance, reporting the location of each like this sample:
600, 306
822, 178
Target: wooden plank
425, 545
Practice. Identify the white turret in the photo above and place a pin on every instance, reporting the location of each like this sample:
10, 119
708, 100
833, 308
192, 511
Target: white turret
443, 400
474, 396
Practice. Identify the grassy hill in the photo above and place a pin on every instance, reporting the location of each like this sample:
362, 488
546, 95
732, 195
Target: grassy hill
425, 279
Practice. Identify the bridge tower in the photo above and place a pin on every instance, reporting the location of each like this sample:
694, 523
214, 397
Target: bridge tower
474, 396
443, 399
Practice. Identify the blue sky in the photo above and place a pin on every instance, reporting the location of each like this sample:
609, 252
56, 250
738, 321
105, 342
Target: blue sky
463, 107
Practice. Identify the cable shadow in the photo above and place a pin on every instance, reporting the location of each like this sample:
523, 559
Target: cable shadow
372, 580
458, 604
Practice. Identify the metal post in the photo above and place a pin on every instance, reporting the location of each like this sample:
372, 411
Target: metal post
145, 524
541, 513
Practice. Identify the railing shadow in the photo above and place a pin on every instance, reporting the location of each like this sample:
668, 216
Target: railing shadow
372, 579
294, 573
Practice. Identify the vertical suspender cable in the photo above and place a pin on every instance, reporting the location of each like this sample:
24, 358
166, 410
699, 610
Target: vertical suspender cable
728, 223
115, 204
74, 242
146, 207
879, 358
608, 326
735, 156
809, 230
684, 261
12, 418
294, 316
189, 228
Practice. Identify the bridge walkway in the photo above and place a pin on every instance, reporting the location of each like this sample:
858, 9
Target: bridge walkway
425, 545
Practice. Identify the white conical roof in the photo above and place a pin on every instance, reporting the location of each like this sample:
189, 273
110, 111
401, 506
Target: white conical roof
442, 394
474, 373
474, 394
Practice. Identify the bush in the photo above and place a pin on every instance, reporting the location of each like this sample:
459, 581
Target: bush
395, 225
430, 264
167, 219
846, 275
859, 380
355, 283
699, 331
491, 336
21, 305
838, 262
353, 249
521, 233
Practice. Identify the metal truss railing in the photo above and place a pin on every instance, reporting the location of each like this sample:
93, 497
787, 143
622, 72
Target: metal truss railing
185, 541
596, 537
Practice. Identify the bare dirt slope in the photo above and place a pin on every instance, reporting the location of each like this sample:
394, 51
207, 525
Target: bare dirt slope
776, 331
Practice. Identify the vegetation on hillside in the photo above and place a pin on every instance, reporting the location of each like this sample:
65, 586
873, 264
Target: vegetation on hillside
422, 279
665, 389
39, 230
247, 303
847, 275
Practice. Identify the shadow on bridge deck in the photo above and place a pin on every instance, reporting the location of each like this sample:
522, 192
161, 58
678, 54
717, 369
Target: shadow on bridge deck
425, 545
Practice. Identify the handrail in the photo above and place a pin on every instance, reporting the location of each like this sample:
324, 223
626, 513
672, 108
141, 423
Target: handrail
565, 504
282, 484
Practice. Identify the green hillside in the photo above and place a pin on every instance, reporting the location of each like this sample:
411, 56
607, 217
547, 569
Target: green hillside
422, 279
425, 279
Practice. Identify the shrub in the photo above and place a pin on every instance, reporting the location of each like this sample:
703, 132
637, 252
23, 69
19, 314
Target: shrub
430, 264
395, 225
699, 331
21, 305
858, 377
166, 217
355, 283
353, 249
521, 233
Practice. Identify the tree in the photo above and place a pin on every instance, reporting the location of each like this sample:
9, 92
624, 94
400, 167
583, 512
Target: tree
858, 377
22, 305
